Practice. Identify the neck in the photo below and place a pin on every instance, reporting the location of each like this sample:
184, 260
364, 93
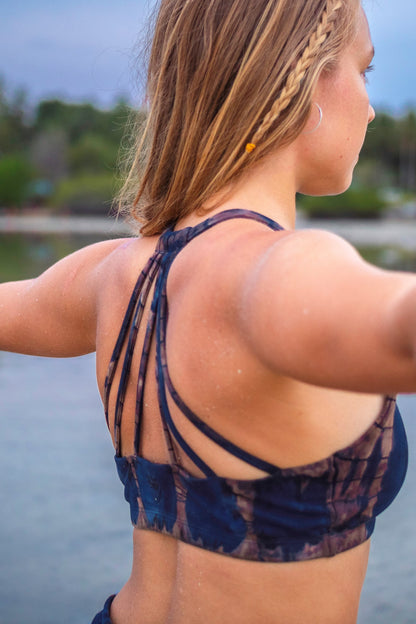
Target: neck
269, 188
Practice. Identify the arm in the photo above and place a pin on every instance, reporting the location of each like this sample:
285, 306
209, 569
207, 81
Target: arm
56, 313
313, 310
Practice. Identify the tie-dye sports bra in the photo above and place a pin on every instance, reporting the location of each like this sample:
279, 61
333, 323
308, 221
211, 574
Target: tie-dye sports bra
293, 514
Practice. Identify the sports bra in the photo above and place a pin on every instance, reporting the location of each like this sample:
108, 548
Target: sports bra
292, 514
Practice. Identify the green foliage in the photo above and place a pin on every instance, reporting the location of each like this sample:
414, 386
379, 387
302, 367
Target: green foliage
371, 173
71, 147
354, 203
15, 133
13, 260
92, 153
91, 194
74, 147
49, 154
390, 257
382, 140
391, 145
15, 177
77, 120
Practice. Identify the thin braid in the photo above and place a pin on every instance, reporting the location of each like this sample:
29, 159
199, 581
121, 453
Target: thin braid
294, 80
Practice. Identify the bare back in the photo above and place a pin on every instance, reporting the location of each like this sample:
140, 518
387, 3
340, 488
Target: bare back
280, 419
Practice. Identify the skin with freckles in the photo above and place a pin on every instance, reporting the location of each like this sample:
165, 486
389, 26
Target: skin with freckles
298, 339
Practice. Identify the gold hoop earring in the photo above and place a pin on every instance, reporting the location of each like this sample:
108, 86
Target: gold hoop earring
321, 115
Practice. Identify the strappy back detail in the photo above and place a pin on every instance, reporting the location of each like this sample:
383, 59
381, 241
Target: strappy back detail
293, 514
156, 272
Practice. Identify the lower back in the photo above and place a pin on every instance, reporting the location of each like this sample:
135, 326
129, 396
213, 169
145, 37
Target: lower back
174, 583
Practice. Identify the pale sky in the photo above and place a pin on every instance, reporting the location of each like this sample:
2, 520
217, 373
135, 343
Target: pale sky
85, 49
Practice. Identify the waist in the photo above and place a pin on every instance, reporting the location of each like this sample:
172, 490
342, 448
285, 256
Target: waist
187, 584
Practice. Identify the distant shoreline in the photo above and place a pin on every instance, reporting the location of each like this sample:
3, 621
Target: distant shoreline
62, 224
373, 233
368, 232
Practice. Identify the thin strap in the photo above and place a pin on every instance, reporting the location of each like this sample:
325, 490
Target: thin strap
134, 329
156, 270
214, 435
122, 335
175, 240
170, 427
129, 327
164, 379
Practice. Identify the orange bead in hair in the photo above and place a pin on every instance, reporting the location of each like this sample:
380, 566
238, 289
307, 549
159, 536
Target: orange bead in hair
250, 147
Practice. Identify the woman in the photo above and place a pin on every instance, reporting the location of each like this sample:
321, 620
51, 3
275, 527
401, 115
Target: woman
249, 391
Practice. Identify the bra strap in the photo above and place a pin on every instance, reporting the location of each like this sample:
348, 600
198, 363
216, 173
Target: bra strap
123, 334
157, 268
164, 381
213, 435
129, 328
170, 429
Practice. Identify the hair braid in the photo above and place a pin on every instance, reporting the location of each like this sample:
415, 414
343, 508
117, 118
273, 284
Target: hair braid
221, 73
294, 80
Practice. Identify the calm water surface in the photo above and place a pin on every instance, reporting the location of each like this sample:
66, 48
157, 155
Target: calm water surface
25, 255
65, 536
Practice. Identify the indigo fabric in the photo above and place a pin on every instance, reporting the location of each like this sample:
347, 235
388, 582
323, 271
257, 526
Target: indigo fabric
104, 616
315, 510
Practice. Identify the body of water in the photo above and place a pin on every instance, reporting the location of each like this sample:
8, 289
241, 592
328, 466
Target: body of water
65, 538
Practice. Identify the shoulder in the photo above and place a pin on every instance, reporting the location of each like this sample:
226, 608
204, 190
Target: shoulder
296, 266
117, 261
308, 245
234, 261
95, 272
303, 254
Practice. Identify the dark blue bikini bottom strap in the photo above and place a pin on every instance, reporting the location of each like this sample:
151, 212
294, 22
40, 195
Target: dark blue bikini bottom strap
104, 616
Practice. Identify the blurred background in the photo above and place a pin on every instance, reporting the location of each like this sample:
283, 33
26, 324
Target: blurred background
70, 73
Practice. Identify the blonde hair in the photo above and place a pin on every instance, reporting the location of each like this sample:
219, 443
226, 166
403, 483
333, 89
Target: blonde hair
223, 74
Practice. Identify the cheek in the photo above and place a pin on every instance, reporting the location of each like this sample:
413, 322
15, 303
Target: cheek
353, 120
350, 97
357, 103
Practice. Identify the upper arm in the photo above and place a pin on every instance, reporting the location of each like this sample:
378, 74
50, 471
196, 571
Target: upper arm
313, 309
55, 314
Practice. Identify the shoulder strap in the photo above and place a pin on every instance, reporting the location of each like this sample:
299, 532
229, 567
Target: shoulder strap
156, 271
129, 330
164, 379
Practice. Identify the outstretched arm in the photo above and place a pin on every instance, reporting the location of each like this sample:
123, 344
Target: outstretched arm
55, 314
314, 310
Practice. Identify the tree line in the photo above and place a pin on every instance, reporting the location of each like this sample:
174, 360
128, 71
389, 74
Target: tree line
58, 154
64, 156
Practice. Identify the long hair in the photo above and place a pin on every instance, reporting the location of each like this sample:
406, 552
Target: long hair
223, 74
